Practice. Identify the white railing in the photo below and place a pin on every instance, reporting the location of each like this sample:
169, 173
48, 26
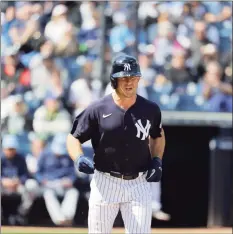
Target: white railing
197, 118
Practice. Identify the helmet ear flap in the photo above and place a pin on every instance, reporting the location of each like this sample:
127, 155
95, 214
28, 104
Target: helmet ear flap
113, 82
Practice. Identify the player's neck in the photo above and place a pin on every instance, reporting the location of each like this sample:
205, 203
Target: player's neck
122, 101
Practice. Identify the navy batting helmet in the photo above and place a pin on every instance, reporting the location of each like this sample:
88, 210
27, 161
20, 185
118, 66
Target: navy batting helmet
124, 66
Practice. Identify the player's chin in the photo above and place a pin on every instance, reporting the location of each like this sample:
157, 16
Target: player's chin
129, 95
129, 92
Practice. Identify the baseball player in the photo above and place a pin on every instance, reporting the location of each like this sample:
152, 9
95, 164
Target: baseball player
128, 141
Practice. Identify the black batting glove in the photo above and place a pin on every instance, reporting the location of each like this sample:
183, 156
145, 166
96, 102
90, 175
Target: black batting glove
154, 173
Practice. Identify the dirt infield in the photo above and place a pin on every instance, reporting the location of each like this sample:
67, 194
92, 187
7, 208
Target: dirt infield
43, 230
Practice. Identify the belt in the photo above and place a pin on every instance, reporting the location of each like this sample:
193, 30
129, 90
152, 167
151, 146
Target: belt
125, 176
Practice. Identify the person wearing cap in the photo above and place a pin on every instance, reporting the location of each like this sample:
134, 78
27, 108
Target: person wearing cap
15, 177
57, 176
61, 32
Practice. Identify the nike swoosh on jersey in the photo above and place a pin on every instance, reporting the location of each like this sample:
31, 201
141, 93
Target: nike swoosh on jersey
153, 172
105, 116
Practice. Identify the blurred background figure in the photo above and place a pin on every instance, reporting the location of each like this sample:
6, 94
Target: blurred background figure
61, 32
164, 43
51, 117
146, 65
178, 72
25, 27
15, 75
56, 175
18, 121
216, 92
121, 36
15, 179
157, 212
38, 145
80, 95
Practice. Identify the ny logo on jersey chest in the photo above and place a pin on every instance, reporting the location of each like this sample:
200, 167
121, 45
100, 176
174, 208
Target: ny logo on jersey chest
142, 129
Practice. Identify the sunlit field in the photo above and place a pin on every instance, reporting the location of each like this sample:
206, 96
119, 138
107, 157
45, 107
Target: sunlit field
43, 230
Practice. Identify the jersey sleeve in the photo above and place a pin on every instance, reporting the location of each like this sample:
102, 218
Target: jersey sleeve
84, 125
156, 128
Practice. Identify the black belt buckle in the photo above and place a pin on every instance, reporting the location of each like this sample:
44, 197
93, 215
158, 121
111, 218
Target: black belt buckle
122, 176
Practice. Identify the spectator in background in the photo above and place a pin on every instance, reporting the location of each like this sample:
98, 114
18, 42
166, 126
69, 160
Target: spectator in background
42, 68
111, 9
148, 13
198, 40
51, 117
56, 86
228, 73
18, 120
80, 95
74, 15
37, 11
88, 12
63, 35
162, 85
95, 71
148, 73
25, 30
191, 12
7, 20
89, 36
14, 74
86, 88
178, 73
217, 93
114, 7
121, 36
15, 178
219, 15
57, 175
37, 146
164, 43
61, 32
208, 53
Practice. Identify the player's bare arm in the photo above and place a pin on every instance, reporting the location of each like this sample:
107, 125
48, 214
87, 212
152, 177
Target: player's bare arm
74, 147
82, 163
157, 145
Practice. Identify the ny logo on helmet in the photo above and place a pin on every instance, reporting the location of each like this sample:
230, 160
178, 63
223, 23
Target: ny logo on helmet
127, 67
143, 130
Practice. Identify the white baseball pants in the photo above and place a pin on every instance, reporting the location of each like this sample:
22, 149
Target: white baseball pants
110, 194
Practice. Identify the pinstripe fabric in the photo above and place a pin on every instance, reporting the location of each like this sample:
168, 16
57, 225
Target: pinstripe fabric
109, 195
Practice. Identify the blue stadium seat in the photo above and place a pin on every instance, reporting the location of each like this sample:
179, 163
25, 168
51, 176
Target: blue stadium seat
188, 103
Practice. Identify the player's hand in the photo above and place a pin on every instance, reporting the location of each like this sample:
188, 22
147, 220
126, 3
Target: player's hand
154, 173
84, 164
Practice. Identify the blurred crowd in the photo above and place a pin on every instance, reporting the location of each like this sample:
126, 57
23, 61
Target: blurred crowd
50, 63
